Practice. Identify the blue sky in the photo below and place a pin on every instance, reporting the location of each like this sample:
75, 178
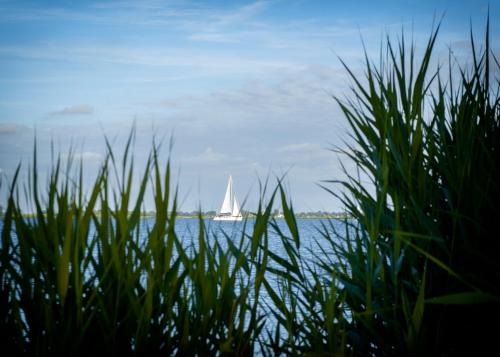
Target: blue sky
245, 86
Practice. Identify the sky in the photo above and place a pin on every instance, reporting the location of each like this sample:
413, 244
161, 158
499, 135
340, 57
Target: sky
243, 87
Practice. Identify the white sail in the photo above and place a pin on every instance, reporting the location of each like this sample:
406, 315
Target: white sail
236, 208
227, 204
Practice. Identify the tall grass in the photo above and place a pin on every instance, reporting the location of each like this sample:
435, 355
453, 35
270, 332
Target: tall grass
413, 272
421, 270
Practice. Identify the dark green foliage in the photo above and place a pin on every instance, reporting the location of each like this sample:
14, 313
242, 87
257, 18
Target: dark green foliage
78, 282
87, 275
420, 269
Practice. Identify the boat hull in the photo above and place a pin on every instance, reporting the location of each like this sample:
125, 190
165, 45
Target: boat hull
228, 218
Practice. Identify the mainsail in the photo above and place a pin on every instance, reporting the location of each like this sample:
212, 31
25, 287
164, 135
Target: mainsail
227, 204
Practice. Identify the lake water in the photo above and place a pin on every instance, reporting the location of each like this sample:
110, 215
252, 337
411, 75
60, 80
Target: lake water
309, 231
311, 242
311, 239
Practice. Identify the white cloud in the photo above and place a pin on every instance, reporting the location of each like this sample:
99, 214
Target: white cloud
11, 128
305, 154
81, 109
300, 148
180, 15
195, 63
88, 156
215, 37
242, 13
207, 156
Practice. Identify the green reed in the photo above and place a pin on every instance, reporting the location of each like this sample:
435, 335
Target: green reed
85, 274
419, 268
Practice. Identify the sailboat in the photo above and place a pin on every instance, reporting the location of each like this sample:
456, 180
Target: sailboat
230, 209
